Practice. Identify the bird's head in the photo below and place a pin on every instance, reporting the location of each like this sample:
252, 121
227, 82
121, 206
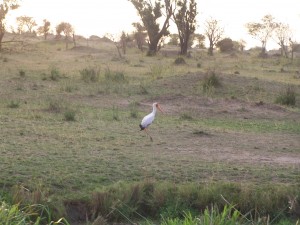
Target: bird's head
156, 105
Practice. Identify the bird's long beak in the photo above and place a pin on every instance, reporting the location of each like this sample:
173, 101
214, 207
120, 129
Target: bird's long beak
158, 106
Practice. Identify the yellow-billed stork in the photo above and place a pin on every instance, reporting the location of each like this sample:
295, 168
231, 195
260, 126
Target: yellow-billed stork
147, 120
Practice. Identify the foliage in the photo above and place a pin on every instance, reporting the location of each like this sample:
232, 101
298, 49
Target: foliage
26, 21
185, 20
150, 15
69, 115
179, 61
211, 81
225, 45
262, 31
44, 29
90, 74
287, 98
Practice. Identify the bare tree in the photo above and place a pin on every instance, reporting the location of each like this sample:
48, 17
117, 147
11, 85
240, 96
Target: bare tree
67, 29
213, 32
25, 21
150, 15
282, 35
185, 20
5, 6
44, 29
262, 31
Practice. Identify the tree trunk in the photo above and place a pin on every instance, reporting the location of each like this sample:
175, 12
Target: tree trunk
1, 37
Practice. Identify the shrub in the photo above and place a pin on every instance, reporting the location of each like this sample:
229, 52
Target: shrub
179, 61
211, 81
287, 98
21, 73
54, 74
13, 104
133, 109
225, 45
69, 115
114, 76
90, 74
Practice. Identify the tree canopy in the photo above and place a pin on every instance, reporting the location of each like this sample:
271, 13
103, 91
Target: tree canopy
185, 20
150, 15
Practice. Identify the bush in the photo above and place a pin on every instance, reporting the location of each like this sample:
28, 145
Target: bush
13, 104
69, 115
287, 98
179, 61
114, 76
90, 74
54, 74
211, 81
225, 45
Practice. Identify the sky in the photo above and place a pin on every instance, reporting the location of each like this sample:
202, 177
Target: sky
100, 17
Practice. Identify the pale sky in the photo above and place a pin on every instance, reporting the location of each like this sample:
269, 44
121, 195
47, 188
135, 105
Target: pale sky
98, 17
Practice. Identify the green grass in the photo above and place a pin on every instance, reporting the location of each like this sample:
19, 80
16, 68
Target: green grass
74, 129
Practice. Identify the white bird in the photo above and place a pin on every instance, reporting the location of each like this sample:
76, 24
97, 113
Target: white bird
147, 120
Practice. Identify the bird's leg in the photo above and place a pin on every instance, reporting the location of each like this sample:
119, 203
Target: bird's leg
148, 134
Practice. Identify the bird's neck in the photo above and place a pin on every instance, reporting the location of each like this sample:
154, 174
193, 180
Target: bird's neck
154, 110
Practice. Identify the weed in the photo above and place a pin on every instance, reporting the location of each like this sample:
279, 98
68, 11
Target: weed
54, 74
115, 113
21, 73
287, 98
69, 115
156, 71
112, 76
133, 110
179, 61
90, 74
186, 116
13, 104
55, 106
210, 82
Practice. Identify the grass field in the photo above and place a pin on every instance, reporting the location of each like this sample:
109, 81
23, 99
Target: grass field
69, 119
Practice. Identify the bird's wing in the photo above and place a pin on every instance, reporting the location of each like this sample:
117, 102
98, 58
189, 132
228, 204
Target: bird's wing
147, 120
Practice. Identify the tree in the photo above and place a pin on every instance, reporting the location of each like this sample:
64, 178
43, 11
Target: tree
225, 45
185, 20
44, 29
26, 21
150, 15
282, 35
140, 35
213, 32
200, 38
262, 31
5, 6
67, 29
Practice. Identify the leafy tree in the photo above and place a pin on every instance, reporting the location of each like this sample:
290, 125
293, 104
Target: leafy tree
241, 45
140, 35
262, 31
25, 21
150, 15
225, 45
200, 38
67, 29
44, 29
185, 20
5, 7
213, 32
282, 35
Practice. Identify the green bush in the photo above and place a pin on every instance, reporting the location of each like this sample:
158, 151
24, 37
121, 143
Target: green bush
70, 115
90, 74
179, 61
287, 98
211, 81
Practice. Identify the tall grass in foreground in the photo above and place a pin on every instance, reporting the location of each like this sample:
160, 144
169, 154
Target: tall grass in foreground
23, 215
